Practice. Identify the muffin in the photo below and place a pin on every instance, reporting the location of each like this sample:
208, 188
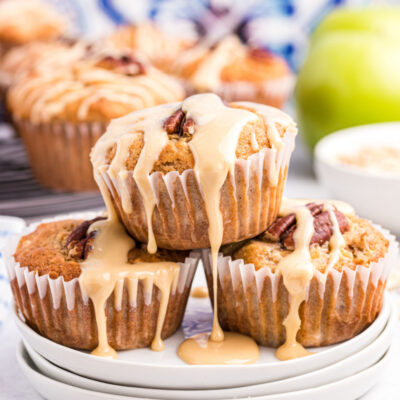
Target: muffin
342, 291
236, 72
61, 112
46, 265
23, 21
171, 169
38, 56
159, 47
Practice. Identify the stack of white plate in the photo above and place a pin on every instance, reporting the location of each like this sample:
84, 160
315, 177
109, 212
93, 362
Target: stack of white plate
348, 369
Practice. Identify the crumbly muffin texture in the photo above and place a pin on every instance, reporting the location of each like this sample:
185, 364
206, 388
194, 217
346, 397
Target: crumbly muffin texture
177, 155
364, 245
50, 250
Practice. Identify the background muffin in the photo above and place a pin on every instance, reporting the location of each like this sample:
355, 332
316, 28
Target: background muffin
44, 274
249, 197
236, 72
38, 57
23, 21
159, 47
61, 113
340, 302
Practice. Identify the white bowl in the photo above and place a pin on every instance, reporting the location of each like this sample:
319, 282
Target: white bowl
375, 196
349, 388
354, 364
146, 368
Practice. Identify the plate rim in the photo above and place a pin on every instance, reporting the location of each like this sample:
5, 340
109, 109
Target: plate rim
24, 365
384, 313
389, 330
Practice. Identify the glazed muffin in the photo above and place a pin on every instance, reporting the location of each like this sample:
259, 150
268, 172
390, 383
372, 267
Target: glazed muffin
38, 56
45, 267
61, 112
161, 190
236, 72
159, 47
343, 294
24, 21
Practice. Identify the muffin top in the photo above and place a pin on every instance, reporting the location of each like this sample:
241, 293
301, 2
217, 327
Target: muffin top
23, 21
159, 47
97, 88
58, 248
180, 127
42, 57
206, 67
364, 244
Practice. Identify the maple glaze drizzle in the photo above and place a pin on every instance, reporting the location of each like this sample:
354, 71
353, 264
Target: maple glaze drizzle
297, 270
217, 129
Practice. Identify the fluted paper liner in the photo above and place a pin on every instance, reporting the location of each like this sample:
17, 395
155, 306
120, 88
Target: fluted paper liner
59, 311
250, 201
338, 305
59, 153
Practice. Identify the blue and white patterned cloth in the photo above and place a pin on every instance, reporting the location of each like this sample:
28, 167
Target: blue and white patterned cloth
283, 26
9, 226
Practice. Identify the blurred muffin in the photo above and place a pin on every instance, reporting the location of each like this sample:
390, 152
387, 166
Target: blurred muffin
38, 56
61, 112
44, 275
343, 293
156, 164
236, 72
159, 47
24, 21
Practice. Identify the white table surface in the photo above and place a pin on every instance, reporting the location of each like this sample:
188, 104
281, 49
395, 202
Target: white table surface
301, 183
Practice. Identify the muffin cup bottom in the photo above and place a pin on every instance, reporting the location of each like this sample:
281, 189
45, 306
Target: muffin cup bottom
59, 153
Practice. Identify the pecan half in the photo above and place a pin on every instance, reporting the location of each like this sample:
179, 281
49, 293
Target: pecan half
283, 224
260, 54
124, 64
79, 243
283, 228
178, 124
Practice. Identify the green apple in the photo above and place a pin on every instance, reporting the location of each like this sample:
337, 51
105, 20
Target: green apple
351, 75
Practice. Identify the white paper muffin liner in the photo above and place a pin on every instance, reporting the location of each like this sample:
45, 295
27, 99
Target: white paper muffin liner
59, 153
250, 201
58, 310
338, 305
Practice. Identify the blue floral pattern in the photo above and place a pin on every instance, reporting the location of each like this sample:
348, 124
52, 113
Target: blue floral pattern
198, 317
8, 227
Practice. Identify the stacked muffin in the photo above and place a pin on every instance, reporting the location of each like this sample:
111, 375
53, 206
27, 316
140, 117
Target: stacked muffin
183, 176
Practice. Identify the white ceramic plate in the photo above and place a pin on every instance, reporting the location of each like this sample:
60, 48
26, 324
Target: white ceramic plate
356, 363
346, 389
165, 370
